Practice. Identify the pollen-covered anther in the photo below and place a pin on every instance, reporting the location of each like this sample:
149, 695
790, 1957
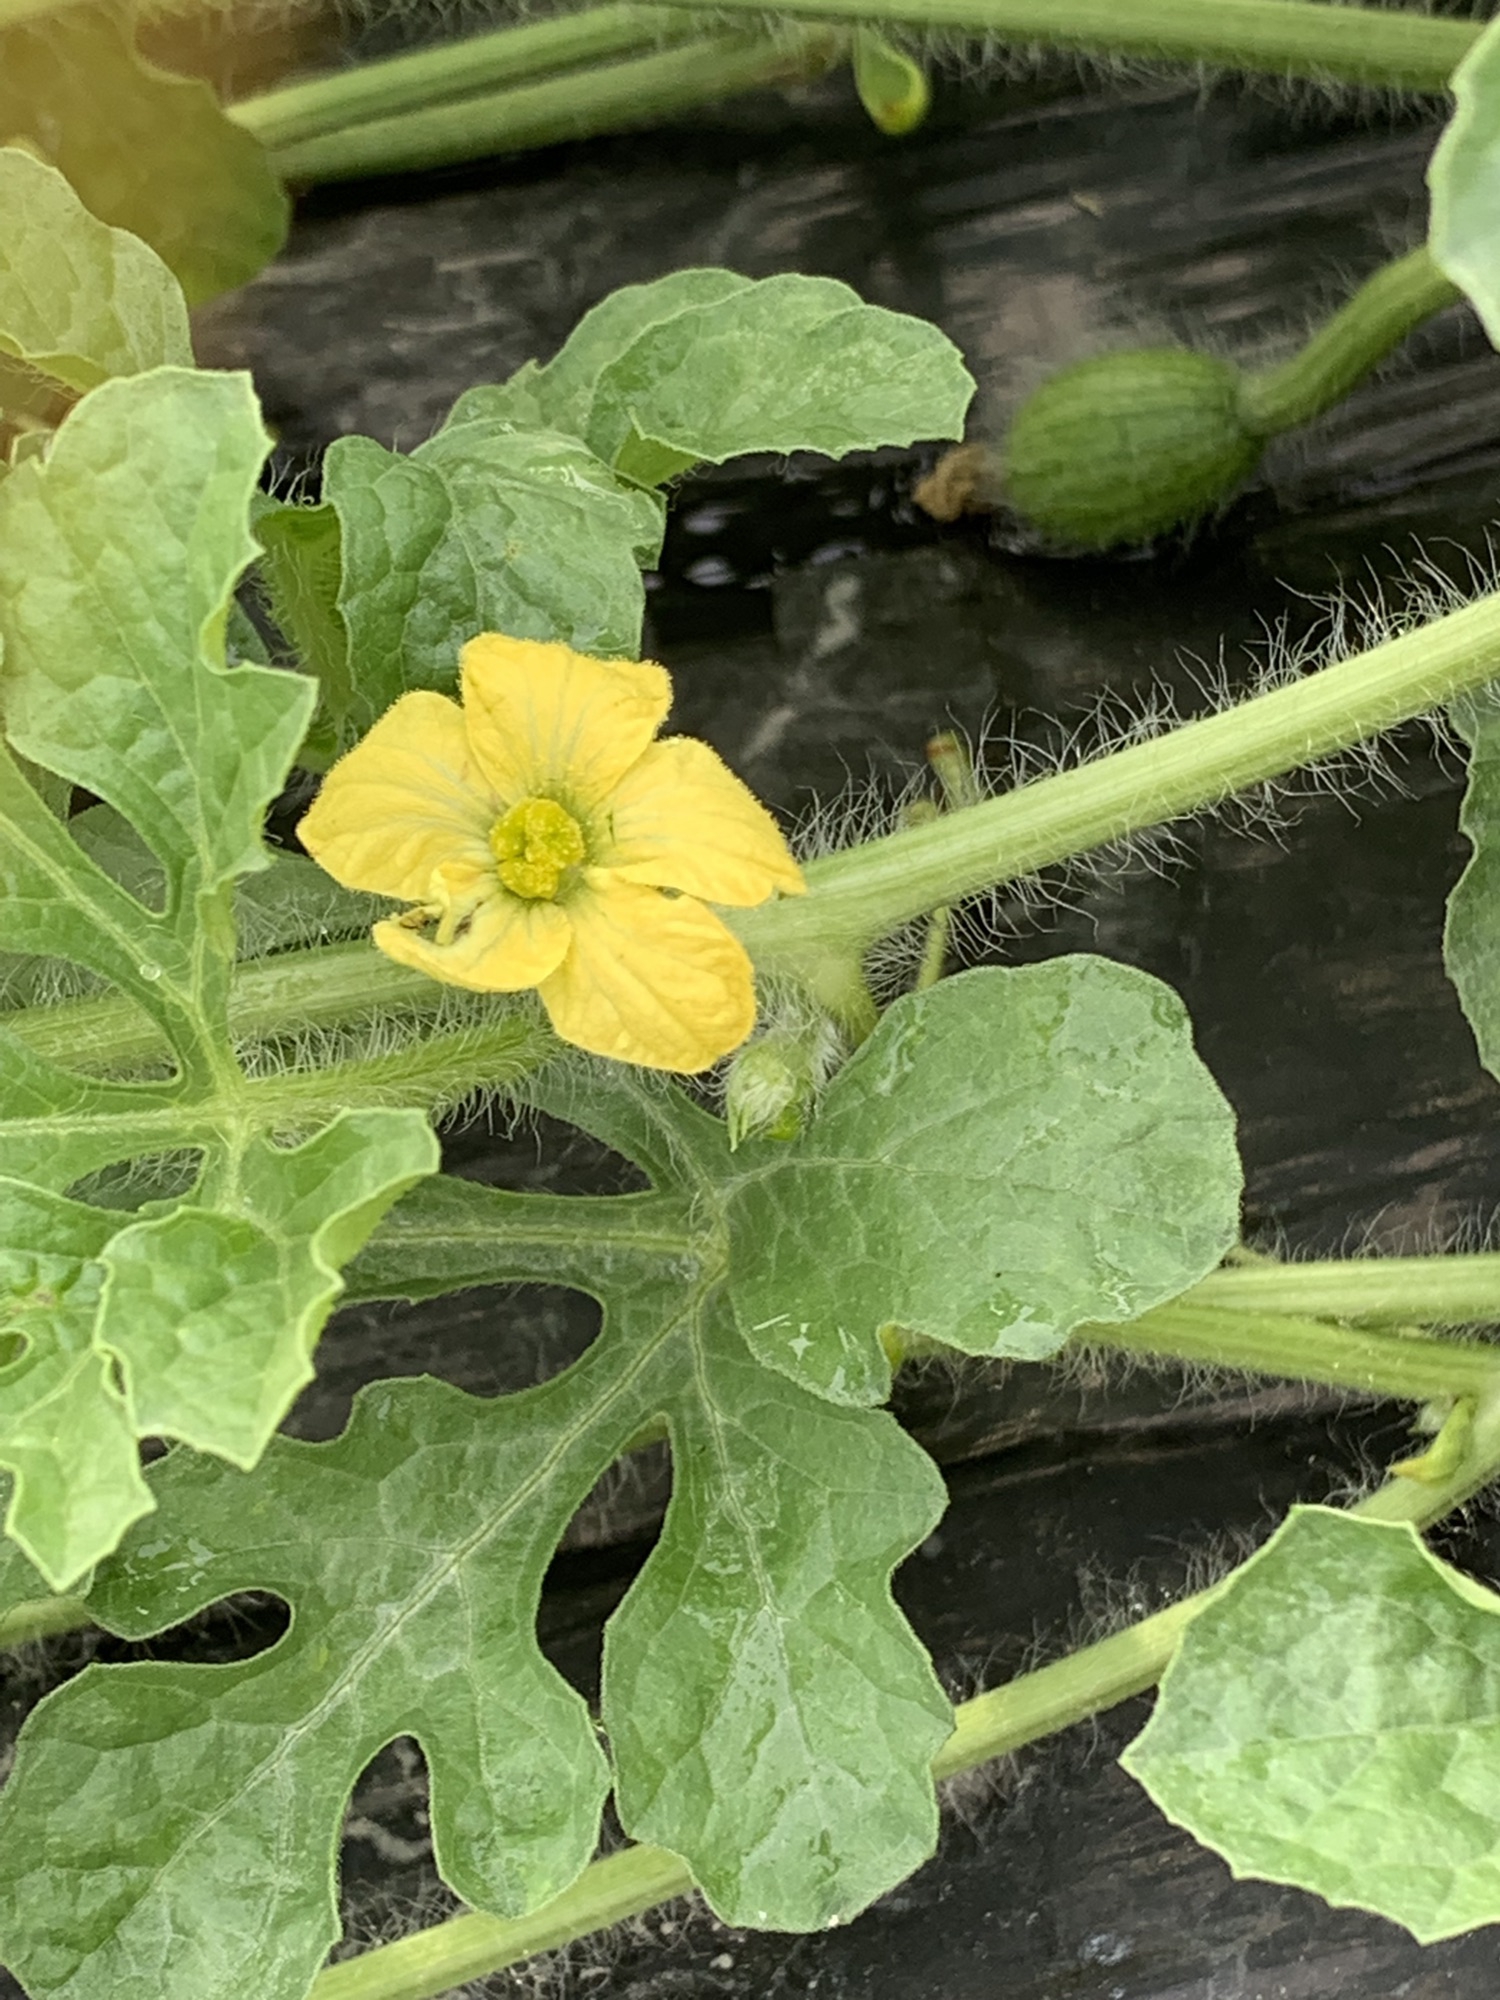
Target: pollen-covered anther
534, 845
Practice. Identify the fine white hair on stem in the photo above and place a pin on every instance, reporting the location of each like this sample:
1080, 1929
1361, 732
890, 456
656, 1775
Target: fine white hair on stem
1031, 747
977, 57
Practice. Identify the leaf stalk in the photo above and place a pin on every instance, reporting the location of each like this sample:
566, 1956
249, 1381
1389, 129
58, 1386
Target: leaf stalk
578, 104
319, 106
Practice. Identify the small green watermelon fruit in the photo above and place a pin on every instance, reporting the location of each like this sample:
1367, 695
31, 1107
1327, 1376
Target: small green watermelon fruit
1125, 446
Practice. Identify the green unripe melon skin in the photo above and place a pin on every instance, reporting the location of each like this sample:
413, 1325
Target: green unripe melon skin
1125, 446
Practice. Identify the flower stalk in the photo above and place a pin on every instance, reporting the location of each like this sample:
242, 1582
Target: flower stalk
1388, 306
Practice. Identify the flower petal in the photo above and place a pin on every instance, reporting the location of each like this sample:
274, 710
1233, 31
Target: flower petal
509, 944
406, 799
546, 721
681, 819
650, 979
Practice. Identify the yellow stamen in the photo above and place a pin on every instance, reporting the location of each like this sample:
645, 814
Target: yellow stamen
534, 844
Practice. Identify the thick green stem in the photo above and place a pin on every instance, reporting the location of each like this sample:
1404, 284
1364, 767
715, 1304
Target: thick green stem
1385, 309
446, 1955
427, 1074
327, 986
298, 112
1347, 44
1306, 1350
1429, 1291
865, 892
579, 104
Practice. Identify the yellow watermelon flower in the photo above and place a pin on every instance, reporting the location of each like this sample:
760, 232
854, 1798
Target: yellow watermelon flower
545, 838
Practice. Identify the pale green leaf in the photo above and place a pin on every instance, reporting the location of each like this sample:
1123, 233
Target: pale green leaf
770, 1716
64, 1431
705, 365
1010, 1154
1464, 178
113, 843
118, 558
757, 1681
1332, 1720
78, 300
787, 364
561, 395
412, 1551
213, 1311
301, 570
1471, 941
482, 529
118, 562
21, 1582
146, 151
55, 900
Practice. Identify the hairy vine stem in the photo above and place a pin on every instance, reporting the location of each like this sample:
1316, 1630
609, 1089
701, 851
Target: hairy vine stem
315, 107
1350, 44
864, 893
612, 67
578, 103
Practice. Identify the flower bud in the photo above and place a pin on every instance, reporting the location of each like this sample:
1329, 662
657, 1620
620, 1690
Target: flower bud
769, 1090
1124, 446
773, 1083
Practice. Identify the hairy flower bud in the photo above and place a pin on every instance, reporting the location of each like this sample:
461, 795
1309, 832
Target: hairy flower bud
1124, 446
773, 1083
768, 1090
